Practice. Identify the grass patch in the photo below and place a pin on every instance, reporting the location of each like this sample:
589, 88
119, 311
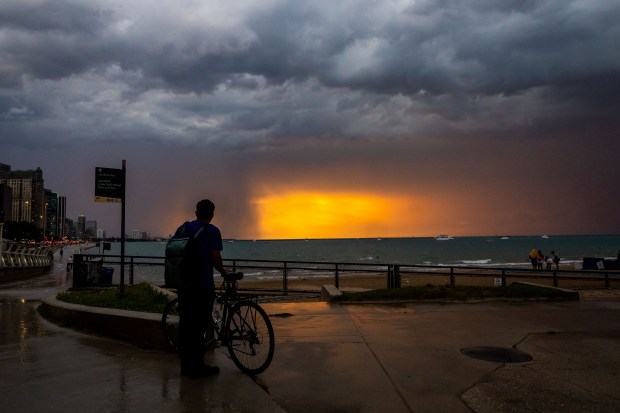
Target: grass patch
140, 297
456, 293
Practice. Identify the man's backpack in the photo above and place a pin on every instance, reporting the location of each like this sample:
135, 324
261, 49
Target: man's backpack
183, 259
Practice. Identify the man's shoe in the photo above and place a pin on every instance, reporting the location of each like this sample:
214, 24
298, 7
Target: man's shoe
201, 371
210, 370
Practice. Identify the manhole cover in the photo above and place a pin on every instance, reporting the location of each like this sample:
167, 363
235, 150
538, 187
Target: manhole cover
497, 354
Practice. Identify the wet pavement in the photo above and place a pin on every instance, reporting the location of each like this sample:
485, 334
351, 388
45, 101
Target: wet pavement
329, 358
407, 358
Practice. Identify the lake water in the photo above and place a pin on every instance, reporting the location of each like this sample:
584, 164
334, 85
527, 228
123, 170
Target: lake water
460, 251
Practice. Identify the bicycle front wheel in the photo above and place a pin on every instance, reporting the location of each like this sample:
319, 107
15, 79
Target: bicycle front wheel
250, 338
170, 324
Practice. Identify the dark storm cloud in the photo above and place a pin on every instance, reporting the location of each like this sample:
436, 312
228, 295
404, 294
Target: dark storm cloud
437, 47
270, 71
48, 17
49, 40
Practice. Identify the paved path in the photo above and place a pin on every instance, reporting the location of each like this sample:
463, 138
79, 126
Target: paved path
407, 358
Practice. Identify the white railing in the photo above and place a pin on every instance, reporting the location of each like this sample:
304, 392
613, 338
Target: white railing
25, 256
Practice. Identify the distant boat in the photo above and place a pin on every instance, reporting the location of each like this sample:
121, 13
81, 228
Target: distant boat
544, 236
505, 238
443, 237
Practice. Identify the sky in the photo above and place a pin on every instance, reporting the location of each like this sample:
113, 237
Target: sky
321, 118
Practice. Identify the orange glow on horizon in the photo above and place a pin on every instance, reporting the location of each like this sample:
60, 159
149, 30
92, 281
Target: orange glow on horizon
299, 215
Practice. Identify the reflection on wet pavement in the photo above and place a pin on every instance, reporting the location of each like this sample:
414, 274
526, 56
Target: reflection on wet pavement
18, 322
19, 319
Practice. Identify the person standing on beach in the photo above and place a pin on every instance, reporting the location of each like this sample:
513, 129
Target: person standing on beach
548, 262
534, 258
540, 259
556, 259
196, 296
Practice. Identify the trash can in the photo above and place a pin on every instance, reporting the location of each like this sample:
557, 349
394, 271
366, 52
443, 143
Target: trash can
105, 277
85, 273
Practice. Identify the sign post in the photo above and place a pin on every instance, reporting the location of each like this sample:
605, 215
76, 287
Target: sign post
110, 187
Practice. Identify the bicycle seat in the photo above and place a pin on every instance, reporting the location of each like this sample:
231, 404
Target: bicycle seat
233, 276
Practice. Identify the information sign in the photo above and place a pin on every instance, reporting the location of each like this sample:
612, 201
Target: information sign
109, 185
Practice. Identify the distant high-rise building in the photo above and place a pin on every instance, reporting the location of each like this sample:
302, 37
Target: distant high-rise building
6, 202
70, 229
100, 233
90, 229
62, 217
51, 214
28, 193
80, 226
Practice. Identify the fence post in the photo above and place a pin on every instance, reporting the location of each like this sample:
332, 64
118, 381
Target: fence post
131, 272
396, 276
393, 278
337, 279
452, 281
285, 279
606, 280
503, 277
234, 266
555, 278
79, 279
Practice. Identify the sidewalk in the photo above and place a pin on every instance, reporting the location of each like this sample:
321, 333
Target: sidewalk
332, 358
407, 358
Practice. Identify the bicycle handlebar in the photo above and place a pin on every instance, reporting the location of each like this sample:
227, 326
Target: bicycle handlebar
233, 276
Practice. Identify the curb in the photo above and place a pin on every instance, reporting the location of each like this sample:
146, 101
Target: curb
140, 329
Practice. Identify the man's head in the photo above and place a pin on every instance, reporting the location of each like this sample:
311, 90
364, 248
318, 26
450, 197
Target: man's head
205, 209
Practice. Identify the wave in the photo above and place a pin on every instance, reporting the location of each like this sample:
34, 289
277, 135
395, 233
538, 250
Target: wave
477, 262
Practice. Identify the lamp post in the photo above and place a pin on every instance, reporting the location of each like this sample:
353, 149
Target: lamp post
1, 236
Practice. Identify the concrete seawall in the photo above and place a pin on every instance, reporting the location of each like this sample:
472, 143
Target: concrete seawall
12, 274
137, 328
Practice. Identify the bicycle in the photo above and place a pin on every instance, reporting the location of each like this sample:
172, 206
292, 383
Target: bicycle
240, 324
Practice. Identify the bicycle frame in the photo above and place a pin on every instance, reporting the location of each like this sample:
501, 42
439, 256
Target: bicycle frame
226, 301
239, 324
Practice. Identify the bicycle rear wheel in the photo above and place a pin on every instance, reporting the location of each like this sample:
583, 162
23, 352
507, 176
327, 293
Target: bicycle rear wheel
249, 337
170, 324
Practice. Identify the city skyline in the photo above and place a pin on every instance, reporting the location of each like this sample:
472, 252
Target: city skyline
322, 119
24, 198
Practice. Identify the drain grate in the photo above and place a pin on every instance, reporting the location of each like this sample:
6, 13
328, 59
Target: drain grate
497, 354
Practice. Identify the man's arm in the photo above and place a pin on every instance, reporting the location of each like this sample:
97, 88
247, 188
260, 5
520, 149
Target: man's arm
218, 264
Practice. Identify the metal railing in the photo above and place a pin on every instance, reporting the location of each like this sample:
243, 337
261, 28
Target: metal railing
292, 277
25, 256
